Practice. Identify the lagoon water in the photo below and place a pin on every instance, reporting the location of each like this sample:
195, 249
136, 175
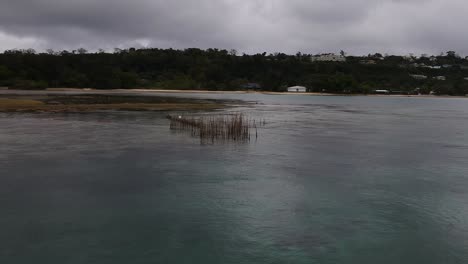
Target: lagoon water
329, 180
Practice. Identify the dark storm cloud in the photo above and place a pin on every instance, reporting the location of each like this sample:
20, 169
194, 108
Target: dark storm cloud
68, 22
358, 26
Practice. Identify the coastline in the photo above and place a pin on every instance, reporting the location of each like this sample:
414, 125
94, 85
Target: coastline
178, 91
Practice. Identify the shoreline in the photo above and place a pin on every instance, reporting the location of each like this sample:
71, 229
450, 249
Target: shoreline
178, 91
6, 92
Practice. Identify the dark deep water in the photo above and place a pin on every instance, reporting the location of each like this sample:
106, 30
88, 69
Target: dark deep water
330, 180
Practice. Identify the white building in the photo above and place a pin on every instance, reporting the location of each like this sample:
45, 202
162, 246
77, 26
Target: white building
382, 91
440, 78
297, 89
418, 76
409, 58
328, 57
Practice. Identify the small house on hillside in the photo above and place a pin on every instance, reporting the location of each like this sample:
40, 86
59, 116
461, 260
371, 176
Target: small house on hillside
382, 91
418, 76
328, 57
297, 89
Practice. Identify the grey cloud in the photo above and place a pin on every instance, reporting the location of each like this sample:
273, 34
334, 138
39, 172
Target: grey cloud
359, 26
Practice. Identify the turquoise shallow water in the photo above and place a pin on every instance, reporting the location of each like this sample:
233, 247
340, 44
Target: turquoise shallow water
330, 180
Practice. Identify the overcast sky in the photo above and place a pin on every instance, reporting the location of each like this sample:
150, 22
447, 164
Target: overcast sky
309, 26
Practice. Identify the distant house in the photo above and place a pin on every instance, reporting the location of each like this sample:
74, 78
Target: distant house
382, 91
418, 65
408, 58
328, 57
297, 89
419, 76
440, 78
433, 58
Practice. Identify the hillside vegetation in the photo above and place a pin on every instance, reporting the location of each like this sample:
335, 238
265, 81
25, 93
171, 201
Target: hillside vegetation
215, 69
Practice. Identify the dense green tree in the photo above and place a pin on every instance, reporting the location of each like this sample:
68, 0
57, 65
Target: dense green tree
227, 70
5, 74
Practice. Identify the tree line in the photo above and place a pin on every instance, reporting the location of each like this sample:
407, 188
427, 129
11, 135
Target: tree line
215, 69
